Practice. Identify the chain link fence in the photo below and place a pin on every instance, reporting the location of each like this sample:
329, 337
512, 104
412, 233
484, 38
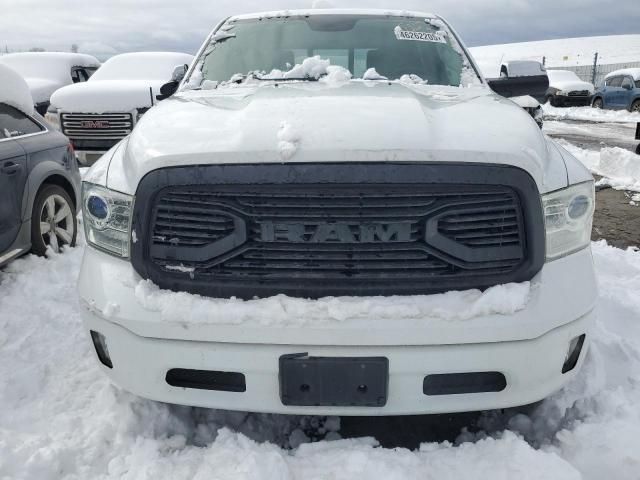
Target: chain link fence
595, 73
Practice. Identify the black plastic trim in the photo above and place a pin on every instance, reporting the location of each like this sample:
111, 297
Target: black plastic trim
364, 175
574, 356
206, 380
463, 383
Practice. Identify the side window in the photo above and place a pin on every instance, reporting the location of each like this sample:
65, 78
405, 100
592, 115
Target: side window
14, 123
614, 82
627, 83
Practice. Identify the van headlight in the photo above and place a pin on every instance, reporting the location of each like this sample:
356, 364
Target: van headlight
107, 219
568, 218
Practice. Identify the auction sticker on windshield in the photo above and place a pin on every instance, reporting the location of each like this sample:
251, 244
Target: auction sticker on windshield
437, 37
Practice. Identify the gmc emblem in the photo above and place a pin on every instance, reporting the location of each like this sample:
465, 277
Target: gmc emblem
335, 232
94, 124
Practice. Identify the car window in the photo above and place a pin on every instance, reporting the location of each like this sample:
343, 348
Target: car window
627, 83
637, 83
79, 75
614, 82
14, 123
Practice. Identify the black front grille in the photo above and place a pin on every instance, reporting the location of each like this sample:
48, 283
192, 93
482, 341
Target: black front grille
335, 238
579, 93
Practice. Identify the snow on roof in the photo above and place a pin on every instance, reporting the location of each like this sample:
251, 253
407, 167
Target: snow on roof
632, 72
48, 64
15, 91
334, 11
141, 66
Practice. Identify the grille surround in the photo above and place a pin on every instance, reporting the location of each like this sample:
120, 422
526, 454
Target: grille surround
119, 125
243, 265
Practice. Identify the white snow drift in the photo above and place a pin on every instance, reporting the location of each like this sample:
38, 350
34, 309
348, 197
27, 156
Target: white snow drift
61, 419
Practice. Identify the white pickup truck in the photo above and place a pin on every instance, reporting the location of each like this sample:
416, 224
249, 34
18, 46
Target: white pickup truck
99, 113
335, 214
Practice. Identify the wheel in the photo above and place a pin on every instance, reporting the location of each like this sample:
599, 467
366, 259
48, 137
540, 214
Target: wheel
597, 103
53, 220
635, 106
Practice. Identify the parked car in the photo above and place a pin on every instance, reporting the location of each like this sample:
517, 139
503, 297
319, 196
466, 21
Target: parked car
333, 153
39, 177
620, 89
46, 72
566, 89
99, 113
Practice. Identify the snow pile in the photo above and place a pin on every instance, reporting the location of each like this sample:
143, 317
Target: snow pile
288, 140
589, 114
619, 168
15, 91
314, 68
61, 418
281, 310
372, 74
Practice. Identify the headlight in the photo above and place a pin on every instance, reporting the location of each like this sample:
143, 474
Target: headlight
53, 117
568, 216
107, 219
560, 93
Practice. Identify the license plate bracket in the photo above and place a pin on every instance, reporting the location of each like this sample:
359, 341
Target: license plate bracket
333, 381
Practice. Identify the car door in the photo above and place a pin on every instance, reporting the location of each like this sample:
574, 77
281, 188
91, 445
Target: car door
13, 176
626, 92
612, 92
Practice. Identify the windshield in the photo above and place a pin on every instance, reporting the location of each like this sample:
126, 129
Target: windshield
393, 46
562, 75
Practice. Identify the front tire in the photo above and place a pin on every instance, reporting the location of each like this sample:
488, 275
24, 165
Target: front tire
53, 220
635, 106
597, 103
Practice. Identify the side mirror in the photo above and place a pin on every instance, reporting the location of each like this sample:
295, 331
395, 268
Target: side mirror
171, 86
626, 86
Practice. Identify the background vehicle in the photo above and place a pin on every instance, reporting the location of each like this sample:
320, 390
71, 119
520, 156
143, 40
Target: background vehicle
566, 89
39, 177
46, 72
99, 113
620, 89
333, 153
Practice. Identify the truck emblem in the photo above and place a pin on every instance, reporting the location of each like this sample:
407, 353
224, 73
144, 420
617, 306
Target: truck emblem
94, 124
335, 232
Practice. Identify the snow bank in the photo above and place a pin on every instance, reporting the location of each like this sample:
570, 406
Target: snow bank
619, 168
282, 310
62, 419
14, 90
589, 114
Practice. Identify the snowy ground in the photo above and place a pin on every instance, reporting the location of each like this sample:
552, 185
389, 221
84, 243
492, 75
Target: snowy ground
62, 419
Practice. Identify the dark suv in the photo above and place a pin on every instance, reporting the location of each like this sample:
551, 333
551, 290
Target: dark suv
39, 186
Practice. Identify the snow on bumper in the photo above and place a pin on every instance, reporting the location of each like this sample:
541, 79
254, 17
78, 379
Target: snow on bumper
529, 346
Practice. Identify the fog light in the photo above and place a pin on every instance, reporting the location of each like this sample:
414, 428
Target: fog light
573, 354
100, 344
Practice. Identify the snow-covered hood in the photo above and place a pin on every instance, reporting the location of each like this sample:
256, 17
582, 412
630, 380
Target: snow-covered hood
571, 85
354, 122
106, 96
42, 88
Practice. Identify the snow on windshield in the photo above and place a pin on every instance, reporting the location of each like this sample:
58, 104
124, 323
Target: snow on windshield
562, 75
314, 46
141, 66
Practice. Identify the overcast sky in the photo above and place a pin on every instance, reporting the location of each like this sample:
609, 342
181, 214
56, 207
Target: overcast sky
181, 25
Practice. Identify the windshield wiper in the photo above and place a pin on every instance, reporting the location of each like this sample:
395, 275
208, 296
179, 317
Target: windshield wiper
286, 79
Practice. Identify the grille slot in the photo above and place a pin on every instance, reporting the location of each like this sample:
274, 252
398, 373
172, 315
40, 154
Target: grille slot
107, 126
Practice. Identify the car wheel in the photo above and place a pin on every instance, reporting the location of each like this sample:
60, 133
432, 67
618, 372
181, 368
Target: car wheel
597, 103
53, 220
635, 106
